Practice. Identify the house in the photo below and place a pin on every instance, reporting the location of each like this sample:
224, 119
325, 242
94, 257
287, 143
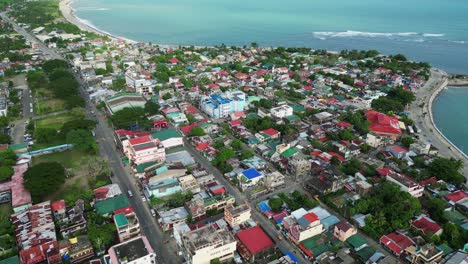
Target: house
134, 251
69, 221
406, 184
107, 191
171, 217
106, 207
267, 134
205, 244
274, 180
189, 183
14, 191
396, 242
126, 223
79, 249
169, 138
254, 244
249, 178
343, 230
426, 254
196, 207
426, 225
281, 111
236, 215
383, 125
301, 226
397, 151
457, 197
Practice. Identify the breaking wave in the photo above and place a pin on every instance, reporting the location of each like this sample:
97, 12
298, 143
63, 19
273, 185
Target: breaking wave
407, 36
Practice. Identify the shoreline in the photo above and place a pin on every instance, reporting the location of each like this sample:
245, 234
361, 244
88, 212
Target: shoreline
424, 118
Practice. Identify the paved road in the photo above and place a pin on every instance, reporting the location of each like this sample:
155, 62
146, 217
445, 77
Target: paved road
422, 117
17, 132
104, 135
240, 198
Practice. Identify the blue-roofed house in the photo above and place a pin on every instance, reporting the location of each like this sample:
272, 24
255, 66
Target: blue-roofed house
222, 105
249, 178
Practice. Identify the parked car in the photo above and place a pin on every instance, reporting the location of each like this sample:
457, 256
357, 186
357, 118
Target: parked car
130, 194
153, 213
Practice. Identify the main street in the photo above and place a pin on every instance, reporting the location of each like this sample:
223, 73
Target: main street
105, 138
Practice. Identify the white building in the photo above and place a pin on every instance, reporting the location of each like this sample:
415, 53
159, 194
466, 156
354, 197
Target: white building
406, 184
236, 215
205, 244
138, 83
281, 111
135, 251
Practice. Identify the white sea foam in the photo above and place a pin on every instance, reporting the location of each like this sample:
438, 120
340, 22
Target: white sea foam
433, 35
351, 33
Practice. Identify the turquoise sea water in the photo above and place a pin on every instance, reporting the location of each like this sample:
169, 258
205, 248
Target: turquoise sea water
435, 31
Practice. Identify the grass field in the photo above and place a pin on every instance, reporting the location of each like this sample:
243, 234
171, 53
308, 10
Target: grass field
69, 159
5, 209
56, 121
49, 106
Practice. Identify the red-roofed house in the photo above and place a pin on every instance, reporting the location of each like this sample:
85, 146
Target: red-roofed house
241, 76
457, 197
143, 149
338, 156
343, 124
302, 228
253, 242
272, 133
397, 151
384, 171
173, 60
396, 242
426, 225
383, 125
58, 209
15, 191
235, 123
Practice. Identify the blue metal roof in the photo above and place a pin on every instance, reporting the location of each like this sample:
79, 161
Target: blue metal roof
251, 173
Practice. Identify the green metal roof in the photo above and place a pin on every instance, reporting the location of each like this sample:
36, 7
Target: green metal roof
111, 204
445, 248
166, 134
16, 147
288, 153
141, 168
365, 253
121, 220
10, 260
292, 118
356, 241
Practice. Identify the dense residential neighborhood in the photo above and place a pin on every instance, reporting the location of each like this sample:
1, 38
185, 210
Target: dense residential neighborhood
121, 152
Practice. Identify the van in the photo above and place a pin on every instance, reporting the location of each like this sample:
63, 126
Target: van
153, 213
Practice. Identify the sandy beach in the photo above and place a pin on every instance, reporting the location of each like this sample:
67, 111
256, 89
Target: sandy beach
424, 120
69, 14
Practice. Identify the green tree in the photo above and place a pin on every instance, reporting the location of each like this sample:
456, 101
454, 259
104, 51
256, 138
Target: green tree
100, 71
130, 116
247, 154
82, 140
43, 179
50, 65
5, 173
5, 139
151, 108
236, 144
167, 96
45, 135
446, 169
365, 148
196, 132
275, 204
407, 141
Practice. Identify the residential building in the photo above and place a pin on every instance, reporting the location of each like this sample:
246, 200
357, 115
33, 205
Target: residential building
79, 249
35, 235
106, 207
124, 100
344, 230
205, 244
163, 187
189, 183
126, 223
302, 226
144, 149
106, 192
396, 242
139, 83
406, 184
222, 105
134, 251
218, 202
236, 215
196, 208
171, 217
69, 221
426, 225
254, 244
298, 164
281, 111
274, 180
169, 138
249, 178
426, 254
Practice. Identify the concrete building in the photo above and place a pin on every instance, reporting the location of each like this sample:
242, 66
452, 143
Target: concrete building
123, 100
78, 248
3, 106
143, 149
236, 215
126, 223
222, 105
406, 184
189, 183
281, 111
169, 138
274, 180
202, 245
139, 83
343, 230
135, 251
171, 217
302, 226
249, 178
255, 246
426, 254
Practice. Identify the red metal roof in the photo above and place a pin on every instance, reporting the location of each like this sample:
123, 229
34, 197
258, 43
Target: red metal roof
343, 124
38, 253
173, 60
384, 171
270, 131
397, 242
456, 196
235, 122
398, 149
202, 146
19, 194
58, 205
426, 225
382, 123
255, 239
311, 217
126, 210
139, 140
334, 154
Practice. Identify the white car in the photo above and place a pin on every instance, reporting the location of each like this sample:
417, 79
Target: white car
130, 194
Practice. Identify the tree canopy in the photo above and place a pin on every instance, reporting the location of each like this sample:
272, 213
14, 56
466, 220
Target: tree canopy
82, 140
130, 116
43, 179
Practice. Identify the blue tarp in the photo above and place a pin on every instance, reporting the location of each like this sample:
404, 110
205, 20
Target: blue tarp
293, 258
251, 173
264, 207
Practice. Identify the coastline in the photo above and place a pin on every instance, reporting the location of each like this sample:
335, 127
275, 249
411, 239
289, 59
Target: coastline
68, 14
424, 118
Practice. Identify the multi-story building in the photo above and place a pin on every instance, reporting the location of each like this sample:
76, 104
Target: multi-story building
139, 83
236, 215
303, 227
274, 180
189, 183
78, 249
35, 235
281, 111
143, 149
202, 245
222, 105
406, 184
134, 251
69, 221
126, 223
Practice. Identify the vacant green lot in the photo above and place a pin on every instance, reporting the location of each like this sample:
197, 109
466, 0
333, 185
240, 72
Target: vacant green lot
49, 106
69, 159
57, 121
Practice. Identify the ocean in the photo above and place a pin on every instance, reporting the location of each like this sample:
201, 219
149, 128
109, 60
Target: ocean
433, 31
